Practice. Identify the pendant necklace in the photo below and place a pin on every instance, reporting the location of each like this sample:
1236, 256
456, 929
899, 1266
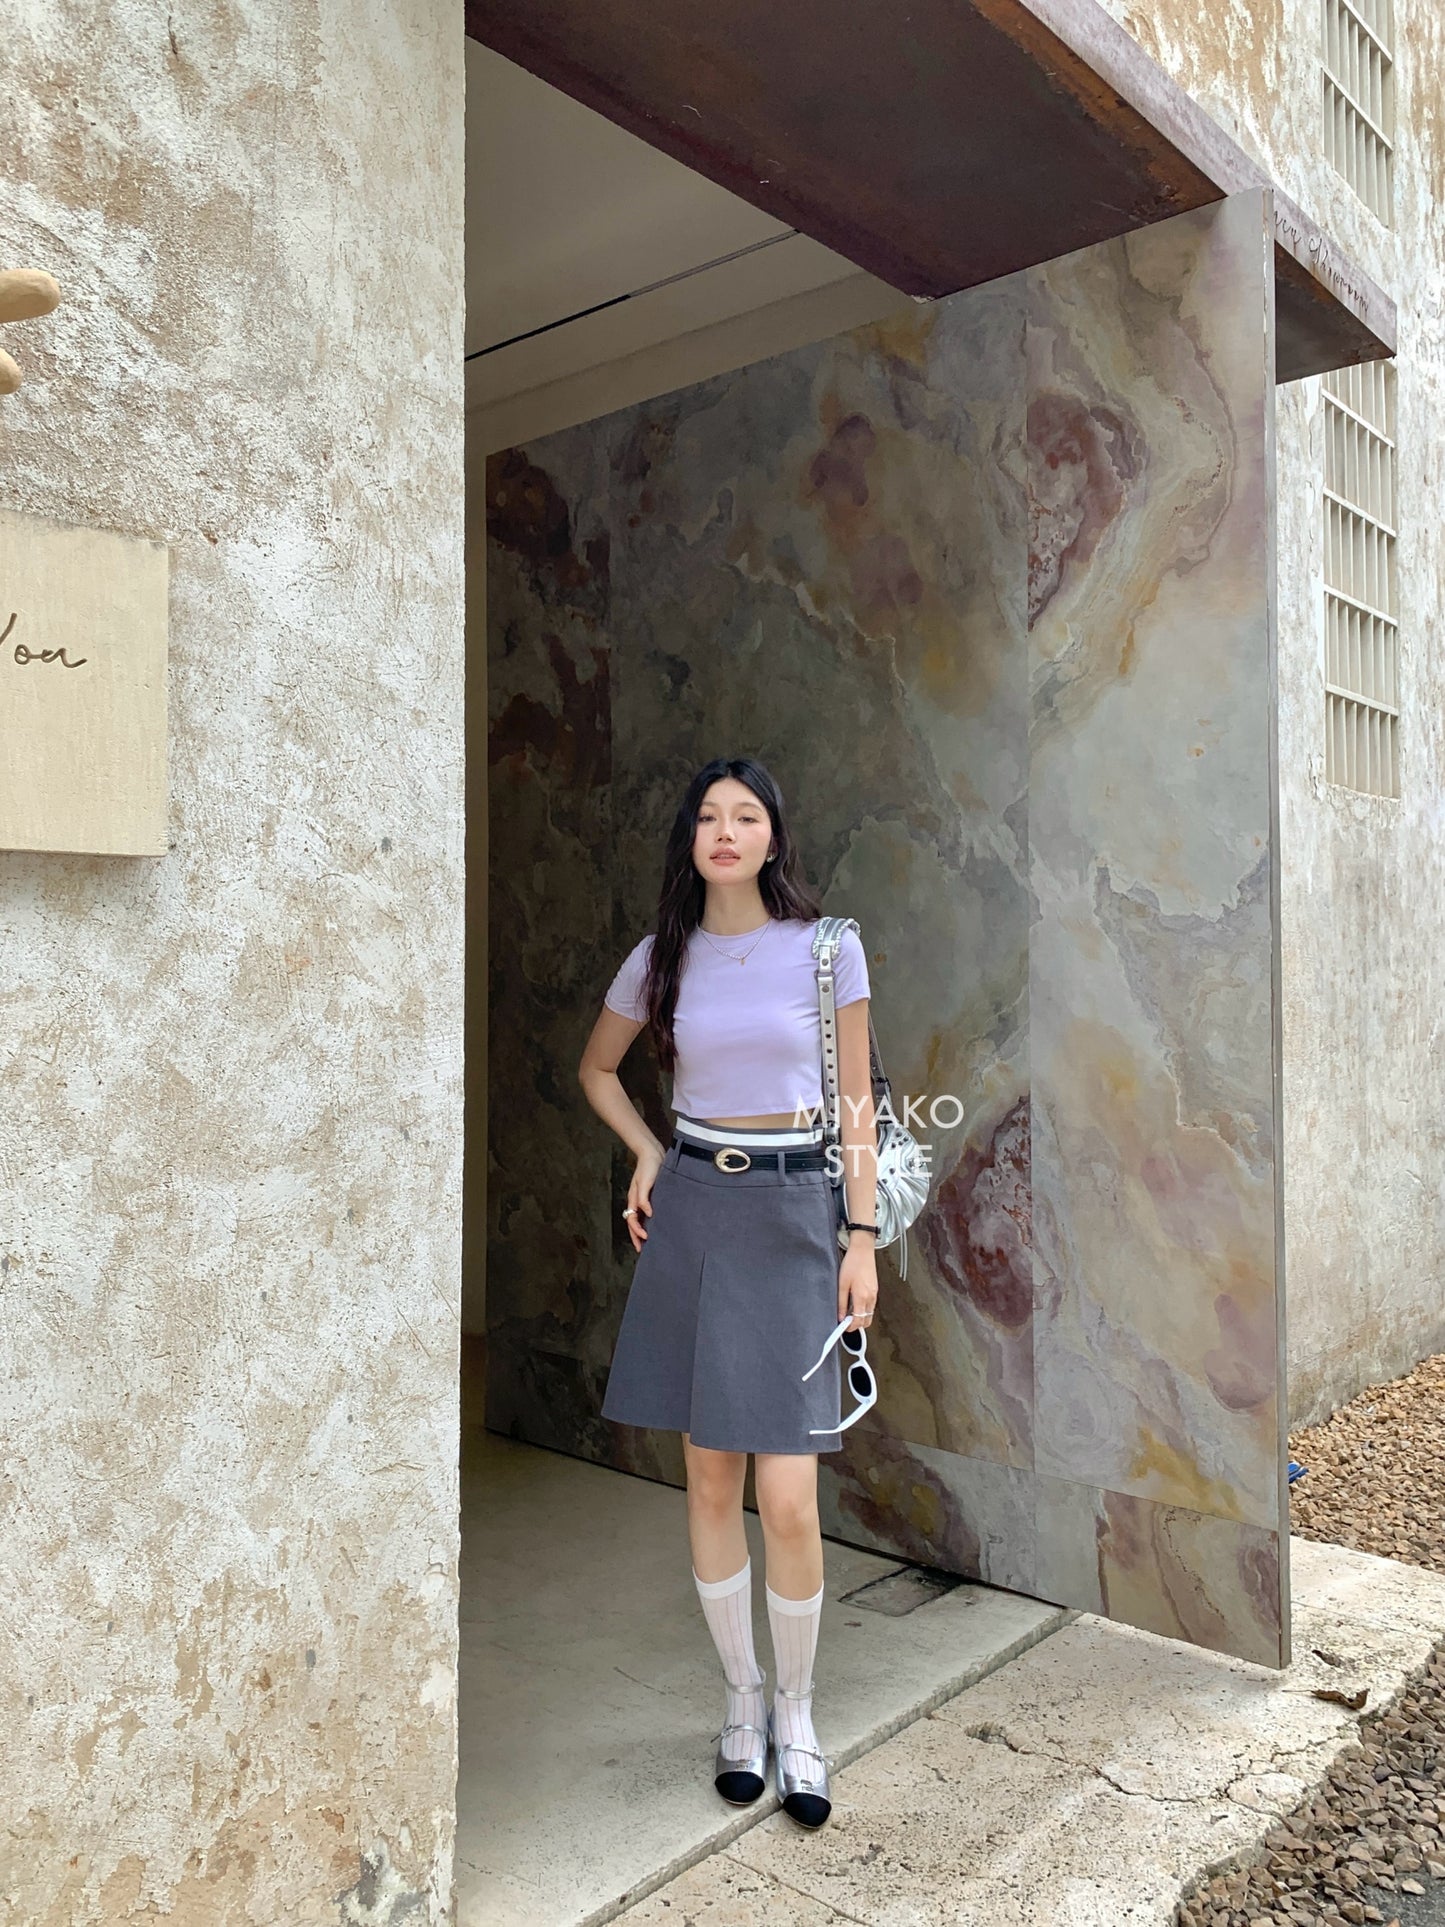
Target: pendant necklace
732, 955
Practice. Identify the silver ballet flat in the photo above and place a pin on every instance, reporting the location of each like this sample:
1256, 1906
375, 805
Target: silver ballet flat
741, 1781
804, 1796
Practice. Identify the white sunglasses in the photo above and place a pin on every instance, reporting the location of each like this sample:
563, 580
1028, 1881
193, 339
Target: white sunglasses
861, 1382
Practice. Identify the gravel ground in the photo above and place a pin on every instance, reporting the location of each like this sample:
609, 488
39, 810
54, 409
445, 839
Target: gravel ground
1369, 1845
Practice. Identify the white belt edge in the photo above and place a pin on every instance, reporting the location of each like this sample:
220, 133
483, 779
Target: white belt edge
765, 1137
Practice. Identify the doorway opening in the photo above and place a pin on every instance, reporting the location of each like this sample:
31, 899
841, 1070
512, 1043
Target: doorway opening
602, 275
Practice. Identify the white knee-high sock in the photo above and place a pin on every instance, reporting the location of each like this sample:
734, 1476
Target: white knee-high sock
727, 1606
794, 1624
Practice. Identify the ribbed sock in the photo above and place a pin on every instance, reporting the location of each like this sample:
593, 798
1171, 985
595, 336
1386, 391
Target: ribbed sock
727, 1606
794, 1624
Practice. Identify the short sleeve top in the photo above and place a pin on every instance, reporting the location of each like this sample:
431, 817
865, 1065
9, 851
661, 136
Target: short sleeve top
748, 1036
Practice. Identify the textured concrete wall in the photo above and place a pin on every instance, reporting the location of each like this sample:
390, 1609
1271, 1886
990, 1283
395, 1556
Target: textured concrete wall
1363, 911
229, 1176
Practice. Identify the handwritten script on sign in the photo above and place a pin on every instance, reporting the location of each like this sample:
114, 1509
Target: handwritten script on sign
24, 655
84, 616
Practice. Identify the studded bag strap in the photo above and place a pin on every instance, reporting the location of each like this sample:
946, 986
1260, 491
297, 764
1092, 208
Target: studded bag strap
826, 941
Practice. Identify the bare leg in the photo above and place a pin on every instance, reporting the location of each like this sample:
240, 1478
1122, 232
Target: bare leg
715, 1510
787, 1487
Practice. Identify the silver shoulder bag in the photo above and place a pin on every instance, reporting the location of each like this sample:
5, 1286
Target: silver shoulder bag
902, 1168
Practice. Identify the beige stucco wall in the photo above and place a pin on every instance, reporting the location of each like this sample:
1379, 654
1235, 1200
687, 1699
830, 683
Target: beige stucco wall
1363, 910
229, 1176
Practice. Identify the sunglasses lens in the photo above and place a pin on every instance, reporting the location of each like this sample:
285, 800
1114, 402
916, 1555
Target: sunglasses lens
861, 1380
852, 1341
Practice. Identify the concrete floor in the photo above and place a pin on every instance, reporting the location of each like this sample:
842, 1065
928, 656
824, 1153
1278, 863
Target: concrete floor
591, 1695
1092, 1783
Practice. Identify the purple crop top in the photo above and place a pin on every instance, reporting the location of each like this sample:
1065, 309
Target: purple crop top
749, 1043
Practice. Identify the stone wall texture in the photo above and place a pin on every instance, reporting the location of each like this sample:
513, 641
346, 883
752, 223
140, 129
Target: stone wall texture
1363, 878
987, 586
229, 1173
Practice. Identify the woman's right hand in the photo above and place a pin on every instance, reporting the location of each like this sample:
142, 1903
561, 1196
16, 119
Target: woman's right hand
639, 1196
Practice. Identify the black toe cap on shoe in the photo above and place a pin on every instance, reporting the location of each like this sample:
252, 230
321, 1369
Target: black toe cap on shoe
740, 1788
808, 1809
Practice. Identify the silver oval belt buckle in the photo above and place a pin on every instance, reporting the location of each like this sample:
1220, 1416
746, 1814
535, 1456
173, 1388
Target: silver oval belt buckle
720, 1158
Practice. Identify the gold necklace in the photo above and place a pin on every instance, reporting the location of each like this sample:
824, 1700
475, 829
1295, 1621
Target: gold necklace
732, 955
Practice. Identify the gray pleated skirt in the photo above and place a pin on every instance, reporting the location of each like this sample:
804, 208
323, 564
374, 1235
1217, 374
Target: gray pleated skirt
733, 1296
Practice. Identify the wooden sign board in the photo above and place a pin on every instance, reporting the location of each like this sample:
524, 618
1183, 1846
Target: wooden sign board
82, 689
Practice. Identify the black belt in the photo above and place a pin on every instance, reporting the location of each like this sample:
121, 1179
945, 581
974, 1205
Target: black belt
814, 1159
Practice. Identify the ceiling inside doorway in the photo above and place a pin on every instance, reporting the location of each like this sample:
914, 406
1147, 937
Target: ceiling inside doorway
586, 245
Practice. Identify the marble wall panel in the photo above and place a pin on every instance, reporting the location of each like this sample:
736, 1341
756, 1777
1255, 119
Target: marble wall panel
1157, 1368
936, 1508
815, 537
987, 587
1363, 883
1189, 1575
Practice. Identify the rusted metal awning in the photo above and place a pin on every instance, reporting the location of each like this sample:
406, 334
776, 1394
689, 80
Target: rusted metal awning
936, 143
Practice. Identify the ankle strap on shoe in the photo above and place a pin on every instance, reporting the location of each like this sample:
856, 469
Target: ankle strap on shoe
783, 1693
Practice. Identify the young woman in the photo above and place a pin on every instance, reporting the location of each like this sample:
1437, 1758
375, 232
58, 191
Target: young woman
740, 1289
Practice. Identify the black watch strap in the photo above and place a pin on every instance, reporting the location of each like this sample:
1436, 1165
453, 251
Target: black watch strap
850, 1225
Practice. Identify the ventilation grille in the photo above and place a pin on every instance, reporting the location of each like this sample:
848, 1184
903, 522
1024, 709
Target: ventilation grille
1362, 645
1359, 82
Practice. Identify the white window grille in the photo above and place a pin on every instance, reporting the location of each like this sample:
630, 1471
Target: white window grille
1359, 84
1362, 645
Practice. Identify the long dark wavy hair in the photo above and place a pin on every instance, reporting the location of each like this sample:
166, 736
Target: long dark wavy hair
785, 890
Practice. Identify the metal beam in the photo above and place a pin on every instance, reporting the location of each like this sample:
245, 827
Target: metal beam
937, 145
